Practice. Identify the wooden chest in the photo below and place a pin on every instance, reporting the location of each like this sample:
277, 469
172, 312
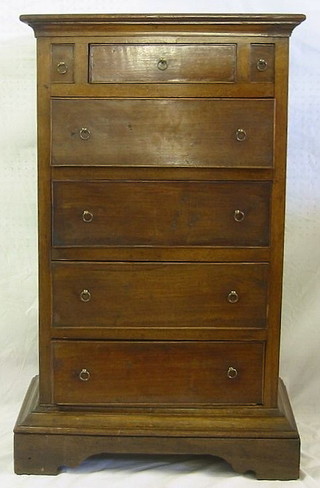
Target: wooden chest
162, 153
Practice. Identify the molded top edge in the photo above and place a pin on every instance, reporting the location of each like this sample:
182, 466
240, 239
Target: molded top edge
46, 24
142, 18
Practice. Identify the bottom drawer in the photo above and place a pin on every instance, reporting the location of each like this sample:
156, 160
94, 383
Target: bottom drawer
157, 373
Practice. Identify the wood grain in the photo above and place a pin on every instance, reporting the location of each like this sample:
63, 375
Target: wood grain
149, 373
159, 295
160, 213
166, 132
162, 63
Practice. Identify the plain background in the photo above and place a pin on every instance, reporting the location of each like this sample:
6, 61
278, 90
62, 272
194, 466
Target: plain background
300, 344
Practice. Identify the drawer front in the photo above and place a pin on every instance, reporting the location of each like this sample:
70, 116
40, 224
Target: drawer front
160, 213
262, 61
140, 132
123, 63
157, 372
62, 63
159, 295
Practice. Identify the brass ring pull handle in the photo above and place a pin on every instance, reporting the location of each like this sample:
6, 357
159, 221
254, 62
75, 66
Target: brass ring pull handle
232, 373
241, 135
84, 375
233, 297
85, 296
84, 133
162, 64
62, 68
262, 65
239, 215
87, 216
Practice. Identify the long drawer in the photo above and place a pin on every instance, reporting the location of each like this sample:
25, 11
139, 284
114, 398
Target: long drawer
157, 372
162, 132
159, 295
162, 63
160, 213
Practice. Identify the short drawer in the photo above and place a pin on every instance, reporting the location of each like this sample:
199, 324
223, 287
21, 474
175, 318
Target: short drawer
160, 213
62, 63
162, 63
157, 373
113, 295
163, 132
262, 62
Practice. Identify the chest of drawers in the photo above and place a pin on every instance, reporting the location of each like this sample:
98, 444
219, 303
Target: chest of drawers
161, 156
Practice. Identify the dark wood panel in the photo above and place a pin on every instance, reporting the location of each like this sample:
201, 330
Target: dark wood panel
159, 295
122, 63
161, 213
140, 132
157, 372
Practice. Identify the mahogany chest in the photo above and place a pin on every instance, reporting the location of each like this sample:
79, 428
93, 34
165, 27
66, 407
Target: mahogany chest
161, 162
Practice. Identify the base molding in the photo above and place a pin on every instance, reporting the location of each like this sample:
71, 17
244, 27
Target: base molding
265, 441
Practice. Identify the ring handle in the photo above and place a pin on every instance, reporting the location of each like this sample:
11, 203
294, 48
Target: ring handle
162, 64
233, 297
84, 133
84, 375
85, 296
87, 216
62, 68
232, 373
241, 135
262, 65
239, 215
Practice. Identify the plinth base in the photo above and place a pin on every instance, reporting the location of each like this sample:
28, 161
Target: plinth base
265, 441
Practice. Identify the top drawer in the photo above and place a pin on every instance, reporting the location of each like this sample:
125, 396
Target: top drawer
158, 63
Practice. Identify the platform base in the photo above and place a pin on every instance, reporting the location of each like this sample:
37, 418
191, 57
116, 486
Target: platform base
257, 439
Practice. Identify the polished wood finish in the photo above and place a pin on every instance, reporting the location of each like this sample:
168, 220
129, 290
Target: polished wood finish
162, 63
160, 213
165, 132
157, 373
161, 218
160, 295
